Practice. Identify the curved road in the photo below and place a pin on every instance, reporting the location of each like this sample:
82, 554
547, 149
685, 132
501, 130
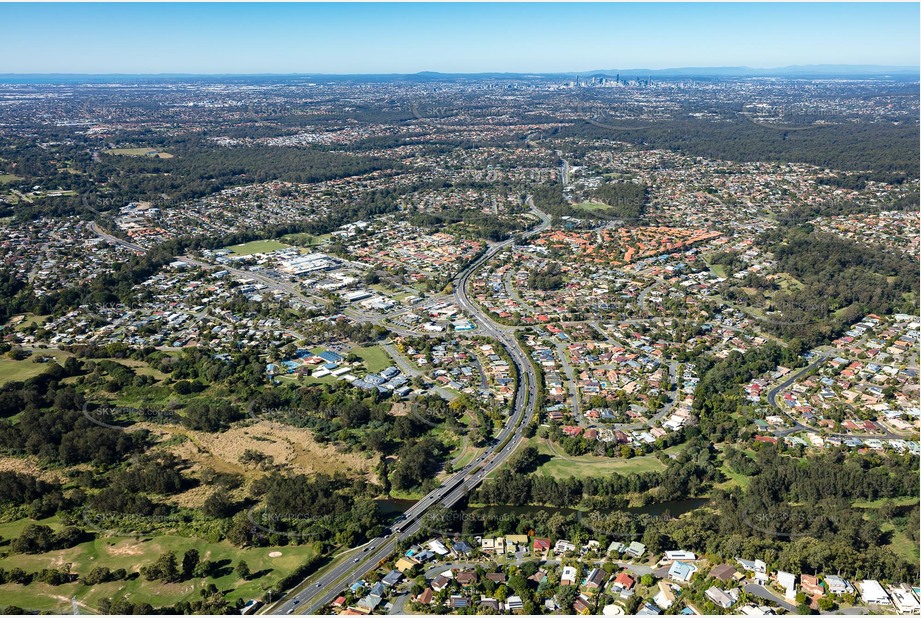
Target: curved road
323, 589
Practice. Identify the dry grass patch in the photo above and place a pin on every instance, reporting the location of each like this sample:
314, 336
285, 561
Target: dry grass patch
30, 466
287, 446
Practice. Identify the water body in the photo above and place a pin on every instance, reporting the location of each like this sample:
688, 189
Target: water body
674, 508
393, 506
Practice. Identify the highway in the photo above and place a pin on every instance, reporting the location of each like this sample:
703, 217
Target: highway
326, 587
323, 589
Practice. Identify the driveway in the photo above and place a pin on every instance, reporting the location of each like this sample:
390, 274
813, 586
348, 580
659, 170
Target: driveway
763, 593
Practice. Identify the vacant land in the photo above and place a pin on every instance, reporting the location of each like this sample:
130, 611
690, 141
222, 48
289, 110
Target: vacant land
139, 152
591, 206
258, 246
17, 371
561, 465
306, 240
8, 178
288, 446
375, 358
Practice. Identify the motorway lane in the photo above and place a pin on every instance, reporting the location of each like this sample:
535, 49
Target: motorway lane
324, 590
328, 586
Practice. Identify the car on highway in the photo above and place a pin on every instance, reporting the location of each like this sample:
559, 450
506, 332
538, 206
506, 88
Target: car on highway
356, 559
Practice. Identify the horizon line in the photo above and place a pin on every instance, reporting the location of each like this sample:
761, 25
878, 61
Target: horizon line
801, 67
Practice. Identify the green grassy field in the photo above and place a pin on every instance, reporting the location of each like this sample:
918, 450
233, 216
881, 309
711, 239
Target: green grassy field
735, 479
562, 465
16, 371
8, 178
131, 554
875, 504
137, 152
901, 545
591, 206
257, 246
32, 319
375, 357
465, 456
306, 240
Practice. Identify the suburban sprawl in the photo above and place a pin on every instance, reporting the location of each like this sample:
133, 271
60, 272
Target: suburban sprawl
597, 345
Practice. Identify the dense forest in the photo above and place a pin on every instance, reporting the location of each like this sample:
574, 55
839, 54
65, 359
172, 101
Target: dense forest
842, 280
689, 474
624, 200
718, 398
889, 151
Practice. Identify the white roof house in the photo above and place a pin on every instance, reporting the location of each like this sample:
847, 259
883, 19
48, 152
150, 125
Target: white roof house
904, 600
788, 582
872, 593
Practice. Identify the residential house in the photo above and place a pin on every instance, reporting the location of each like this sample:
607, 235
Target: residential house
596, 579
635, 550
440, 583
904, 600
498, 578
582, 605
514, 604
404, 563
392, 578
563, 546
811, 585
681, 571
569, 577
541, 545
623, 581
665, 598
457, 601
757, 567
719, 597
787, 581
426, 598
724, 572
838, 585
872, 593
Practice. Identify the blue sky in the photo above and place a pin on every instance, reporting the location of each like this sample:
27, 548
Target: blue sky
406, 38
